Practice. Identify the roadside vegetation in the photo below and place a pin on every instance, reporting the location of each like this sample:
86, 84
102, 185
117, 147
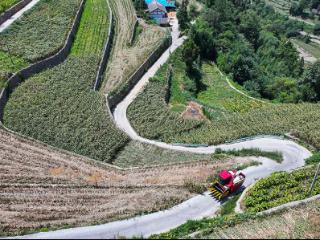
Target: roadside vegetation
38, 34
6, 4
280, 188
299, 222
58, 104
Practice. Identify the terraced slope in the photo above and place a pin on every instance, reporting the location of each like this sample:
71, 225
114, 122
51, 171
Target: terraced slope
39, 33
58, 106
126, 58
45, 188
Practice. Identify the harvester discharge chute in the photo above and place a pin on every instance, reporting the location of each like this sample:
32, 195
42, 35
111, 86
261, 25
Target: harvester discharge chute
228, 183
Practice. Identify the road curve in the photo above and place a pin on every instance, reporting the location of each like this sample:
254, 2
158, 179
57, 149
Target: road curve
8, 23
199, 206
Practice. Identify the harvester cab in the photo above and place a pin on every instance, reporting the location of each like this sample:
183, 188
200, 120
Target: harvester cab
228, 182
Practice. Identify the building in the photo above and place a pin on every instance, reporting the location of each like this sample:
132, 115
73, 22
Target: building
158, 10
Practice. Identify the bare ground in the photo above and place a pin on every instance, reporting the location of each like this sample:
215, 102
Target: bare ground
42, 187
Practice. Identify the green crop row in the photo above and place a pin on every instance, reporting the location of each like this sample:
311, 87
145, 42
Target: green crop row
6, 4
58, 106
281, 188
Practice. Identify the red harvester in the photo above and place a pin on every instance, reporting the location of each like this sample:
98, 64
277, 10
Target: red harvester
228, 182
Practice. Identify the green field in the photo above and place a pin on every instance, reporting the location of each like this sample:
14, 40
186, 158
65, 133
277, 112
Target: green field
281, 188
58, 106
38, 34
6, 4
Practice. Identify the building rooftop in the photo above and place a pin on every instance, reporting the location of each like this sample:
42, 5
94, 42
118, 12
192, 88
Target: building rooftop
165, 3
153, 5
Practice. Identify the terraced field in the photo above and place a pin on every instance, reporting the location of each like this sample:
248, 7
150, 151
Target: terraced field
45, 188
41, 32
59, 105
126, 58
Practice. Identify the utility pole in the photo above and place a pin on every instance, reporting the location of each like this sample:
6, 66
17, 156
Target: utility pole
314, 180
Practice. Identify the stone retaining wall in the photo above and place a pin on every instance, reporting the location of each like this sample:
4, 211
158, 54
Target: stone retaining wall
37, 67
13, 10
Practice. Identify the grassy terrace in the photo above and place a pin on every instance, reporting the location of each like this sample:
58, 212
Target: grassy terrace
6, 4
58, 106
39, 33
224, 122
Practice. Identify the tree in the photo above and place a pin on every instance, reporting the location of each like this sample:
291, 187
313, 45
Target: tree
202, 35
284, 90
316, 29
250, 27
182, 15
310, 83
190, 53
244, 69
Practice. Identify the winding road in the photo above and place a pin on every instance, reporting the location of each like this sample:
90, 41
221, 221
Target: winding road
199, 206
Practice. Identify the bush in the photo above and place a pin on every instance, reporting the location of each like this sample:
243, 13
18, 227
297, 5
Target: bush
315, 158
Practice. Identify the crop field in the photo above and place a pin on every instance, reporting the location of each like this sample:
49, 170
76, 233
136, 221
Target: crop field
42, 188
6, 4
295, 223
153, 118
282, 6
280, 188
37, 34
59, 106
126, 58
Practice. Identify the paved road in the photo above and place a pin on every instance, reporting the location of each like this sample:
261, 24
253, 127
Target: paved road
198, 207
8, 23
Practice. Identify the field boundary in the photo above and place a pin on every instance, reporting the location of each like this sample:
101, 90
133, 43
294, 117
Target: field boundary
106, 51
115, 99
40, 66
13, 10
